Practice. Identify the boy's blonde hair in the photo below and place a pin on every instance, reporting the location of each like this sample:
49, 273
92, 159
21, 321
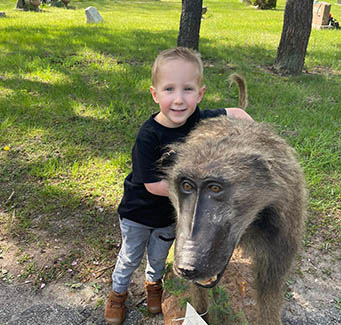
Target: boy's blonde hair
178, 53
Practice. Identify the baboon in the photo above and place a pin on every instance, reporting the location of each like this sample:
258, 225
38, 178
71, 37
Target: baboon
237, 183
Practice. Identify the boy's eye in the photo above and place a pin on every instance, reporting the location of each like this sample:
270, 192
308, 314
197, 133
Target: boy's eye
169, 89
188, 89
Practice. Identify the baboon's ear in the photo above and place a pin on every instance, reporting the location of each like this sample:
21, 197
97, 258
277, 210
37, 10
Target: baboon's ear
168, 158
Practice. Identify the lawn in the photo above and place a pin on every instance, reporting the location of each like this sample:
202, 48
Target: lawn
73, 95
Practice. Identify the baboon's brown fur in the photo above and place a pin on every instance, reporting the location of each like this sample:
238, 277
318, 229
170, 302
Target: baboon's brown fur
261, 207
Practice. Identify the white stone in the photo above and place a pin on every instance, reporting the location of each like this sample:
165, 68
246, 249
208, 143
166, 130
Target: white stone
92, 15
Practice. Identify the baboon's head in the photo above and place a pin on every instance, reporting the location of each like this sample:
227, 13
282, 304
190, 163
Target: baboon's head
217, 185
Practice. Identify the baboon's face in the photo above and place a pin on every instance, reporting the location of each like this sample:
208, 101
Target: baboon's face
207, 231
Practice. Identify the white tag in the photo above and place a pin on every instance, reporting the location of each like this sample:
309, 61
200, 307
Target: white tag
192, 317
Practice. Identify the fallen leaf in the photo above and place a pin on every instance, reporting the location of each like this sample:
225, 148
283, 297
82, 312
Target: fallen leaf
243, 288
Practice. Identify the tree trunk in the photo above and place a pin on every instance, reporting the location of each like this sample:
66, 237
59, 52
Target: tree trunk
295, 36
190, 24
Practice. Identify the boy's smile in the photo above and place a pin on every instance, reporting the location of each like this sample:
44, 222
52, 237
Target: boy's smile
177, 92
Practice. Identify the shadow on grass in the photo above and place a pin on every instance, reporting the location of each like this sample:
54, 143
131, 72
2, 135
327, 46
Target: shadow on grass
31, 206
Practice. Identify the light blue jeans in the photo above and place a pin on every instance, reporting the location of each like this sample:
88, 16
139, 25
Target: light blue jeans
136, 238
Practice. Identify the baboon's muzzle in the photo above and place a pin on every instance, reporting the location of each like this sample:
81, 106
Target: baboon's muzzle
203, 260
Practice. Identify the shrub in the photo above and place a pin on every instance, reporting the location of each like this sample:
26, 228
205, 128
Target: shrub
265, 4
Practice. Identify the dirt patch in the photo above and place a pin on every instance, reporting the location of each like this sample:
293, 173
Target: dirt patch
312, 296
314, 289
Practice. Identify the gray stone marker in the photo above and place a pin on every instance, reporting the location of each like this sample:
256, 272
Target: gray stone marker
92, 15
2, 14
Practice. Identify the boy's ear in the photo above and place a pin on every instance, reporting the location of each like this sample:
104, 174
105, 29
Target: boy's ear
201, 93
154, 94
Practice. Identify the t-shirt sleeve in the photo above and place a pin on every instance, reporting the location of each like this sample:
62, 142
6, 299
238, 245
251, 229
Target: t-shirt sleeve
208, 113
146, 153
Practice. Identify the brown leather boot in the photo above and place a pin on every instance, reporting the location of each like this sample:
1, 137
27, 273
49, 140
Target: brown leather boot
115, 309
154, 294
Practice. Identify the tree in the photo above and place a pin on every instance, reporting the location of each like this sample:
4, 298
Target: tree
295, 36
190, 24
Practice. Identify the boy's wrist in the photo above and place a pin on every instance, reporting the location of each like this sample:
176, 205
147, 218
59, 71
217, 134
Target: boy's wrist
237, 113
157, 188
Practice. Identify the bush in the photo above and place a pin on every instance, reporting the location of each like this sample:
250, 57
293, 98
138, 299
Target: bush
265, 4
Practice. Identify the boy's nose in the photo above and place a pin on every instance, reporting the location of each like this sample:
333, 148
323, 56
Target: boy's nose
178, 98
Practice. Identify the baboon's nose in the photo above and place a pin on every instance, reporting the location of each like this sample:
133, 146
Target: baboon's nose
187, 258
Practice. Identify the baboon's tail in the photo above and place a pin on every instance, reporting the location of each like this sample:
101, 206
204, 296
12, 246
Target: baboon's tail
240, 81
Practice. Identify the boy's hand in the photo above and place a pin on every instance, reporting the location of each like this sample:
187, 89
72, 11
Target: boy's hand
238, 113
158, 188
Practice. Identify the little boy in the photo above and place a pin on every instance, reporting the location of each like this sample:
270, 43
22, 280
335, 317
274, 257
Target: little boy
146, 214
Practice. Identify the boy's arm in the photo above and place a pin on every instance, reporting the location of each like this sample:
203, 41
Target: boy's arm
157, 188
238, 113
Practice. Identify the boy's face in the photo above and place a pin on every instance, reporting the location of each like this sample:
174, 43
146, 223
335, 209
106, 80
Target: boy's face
177, 92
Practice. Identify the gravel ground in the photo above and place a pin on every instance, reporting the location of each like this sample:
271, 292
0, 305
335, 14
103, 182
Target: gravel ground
315, 295
313, 300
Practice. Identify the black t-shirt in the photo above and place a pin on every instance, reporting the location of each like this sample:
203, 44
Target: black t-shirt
137, 203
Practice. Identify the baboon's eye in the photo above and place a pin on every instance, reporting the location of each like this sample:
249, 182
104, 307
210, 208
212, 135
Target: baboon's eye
187, 186
215, 188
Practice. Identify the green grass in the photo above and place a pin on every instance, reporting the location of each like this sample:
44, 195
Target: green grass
72, 97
